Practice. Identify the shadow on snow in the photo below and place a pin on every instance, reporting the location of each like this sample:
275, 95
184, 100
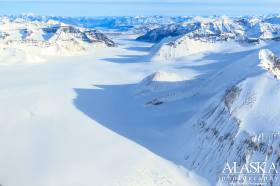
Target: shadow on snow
156, 128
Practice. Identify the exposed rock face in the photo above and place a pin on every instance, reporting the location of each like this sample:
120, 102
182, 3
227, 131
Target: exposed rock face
182, 46
270, 62
68, 33
158, 34
52, 36
231, 96
96, 36
3, 35
221, 139
247, 29
33, 41
207, 34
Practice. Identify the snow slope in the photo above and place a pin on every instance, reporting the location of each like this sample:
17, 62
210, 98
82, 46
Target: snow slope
46, 139
239, 106
172, 48
228, 102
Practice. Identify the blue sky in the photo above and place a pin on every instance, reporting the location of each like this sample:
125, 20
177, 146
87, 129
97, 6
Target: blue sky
140, 7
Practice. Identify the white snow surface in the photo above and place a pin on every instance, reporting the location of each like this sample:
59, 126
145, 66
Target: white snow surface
253, 105
46, 140
114, 116
182, 46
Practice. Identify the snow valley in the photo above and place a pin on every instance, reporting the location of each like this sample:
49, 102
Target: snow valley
133, 101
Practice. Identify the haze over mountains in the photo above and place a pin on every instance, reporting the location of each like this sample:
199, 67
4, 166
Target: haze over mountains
139, 7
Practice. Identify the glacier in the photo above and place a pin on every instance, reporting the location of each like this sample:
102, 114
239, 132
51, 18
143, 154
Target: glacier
144, 100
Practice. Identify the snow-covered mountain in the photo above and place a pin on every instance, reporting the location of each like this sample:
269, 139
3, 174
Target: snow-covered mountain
138, 24
34, 39
241, 127
249, 29
201, 34
233, 116
181, 46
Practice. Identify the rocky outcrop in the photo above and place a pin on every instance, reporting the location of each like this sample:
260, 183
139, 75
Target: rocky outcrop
270, 62
246, 29
52, 37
